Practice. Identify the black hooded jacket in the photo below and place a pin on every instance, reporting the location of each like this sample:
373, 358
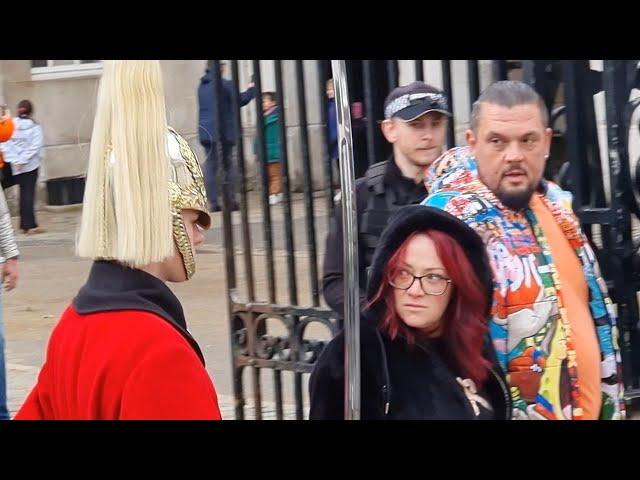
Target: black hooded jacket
397, 381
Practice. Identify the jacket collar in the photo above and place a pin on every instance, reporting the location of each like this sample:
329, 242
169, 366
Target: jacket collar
112, 286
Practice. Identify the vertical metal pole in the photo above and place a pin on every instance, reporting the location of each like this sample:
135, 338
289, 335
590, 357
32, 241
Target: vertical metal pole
419, 71
620, 233
350, 247
367, 76
227, 226
328, 166
277, 383
235, 323
223, 174
309, 220
286, 189
574, 136
473, 74
500, 70
262, 166
392, 74
244, 205
446, 83
307, 185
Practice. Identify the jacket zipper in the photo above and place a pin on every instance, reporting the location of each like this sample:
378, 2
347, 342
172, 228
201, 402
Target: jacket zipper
386, 387
505, 391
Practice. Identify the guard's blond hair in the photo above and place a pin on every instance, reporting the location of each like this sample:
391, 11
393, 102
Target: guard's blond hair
126, 214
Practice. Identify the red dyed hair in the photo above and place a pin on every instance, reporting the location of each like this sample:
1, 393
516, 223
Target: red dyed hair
464, 322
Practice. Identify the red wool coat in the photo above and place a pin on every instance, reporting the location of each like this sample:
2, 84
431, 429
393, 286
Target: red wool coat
122, 351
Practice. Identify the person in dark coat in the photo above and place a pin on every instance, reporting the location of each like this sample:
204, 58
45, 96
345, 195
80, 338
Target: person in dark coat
332, 127
227, 137
415, 124
424, 344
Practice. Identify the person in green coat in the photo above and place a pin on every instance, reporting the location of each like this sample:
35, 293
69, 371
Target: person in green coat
272, 142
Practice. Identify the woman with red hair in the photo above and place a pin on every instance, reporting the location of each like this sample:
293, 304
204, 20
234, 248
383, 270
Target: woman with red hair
424, 333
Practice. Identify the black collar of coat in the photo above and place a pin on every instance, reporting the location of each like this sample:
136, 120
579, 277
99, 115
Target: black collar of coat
394, 176
406, 189
112, 286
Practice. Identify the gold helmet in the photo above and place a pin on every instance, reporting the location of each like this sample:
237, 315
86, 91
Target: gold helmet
141, 174
186, 191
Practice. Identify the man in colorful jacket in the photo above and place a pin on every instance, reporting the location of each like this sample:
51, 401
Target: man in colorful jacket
553, 325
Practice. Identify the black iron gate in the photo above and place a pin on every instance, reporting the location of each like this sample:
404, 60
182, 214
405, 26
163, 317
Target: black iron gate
257, 344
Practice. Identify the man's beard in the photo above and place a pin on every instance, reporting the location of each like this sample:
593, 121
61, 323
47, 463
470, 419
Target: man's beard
516, 200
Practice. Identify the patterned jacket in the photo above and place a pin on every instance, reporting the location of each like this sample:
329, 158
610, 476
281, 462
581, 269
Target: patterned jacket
529, 327
8, 246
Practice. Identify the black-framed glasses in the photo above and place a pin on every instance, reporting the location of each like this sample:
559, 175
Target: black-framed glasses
431, 283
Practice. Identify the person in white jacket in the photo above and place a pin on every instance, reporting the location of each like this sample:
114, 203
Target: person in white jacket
23, 151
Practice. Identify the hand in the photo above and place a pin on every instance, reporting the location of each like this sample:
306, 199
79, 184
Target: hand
251, 85
10, 274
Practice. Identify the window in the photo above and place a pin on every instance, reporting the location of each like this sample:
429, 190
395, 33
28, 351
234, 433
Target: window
53, 69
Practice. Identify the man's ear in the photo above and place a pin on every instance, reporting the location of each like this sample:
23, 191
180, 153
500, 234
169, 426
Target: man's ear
548, 137
471, 140
389, 130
